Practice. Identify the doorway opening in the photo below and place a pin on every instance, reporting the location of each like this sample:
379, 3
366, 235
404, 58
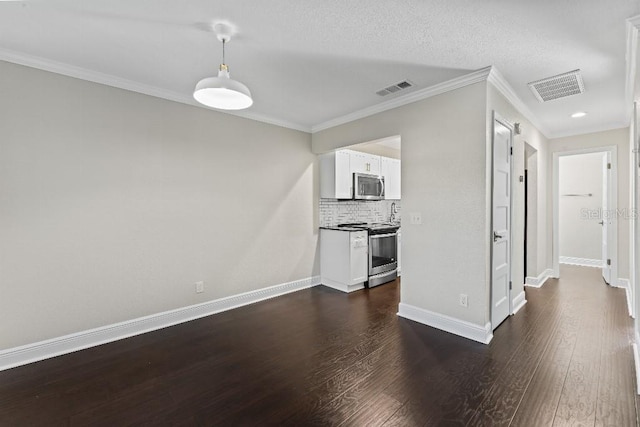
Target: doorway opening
584, 210
530, 212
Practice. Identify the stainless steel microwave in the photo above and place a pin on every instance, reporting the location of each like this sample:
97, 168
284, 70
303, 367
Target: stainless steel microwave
368, 187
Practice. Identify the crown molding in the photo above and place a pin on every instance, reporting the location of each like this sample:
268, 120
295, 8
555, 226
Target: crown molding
500, 83
133, 86
592, 129
453, 84
490, 74
633, 26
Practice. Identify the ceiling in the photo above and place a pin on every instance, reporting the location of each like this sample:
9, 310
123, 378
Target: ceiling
309, 62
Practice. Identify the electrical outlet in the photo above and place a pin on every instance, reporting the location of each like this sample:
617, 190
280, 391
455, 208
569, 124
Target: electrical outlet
464, 300
416, 217
199, 287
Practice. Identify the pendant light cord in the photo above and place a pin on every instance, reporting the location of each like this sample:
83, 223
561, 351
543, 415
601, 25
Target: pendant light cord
223, 42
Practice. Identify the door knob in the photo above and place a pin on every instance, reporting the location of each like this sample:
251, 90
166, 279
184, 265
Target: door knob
496, 236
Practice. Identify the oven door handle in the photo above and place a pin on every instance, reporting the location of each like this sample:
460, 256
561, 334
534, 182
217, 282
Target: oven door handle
380, 236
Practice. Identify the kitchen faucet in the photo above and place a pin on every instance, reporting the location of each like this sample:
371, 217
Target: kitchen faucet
392, 217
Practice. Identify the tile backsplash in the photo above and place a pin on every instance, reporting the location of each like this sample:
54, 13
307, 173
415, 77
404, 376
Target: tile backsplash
333, 212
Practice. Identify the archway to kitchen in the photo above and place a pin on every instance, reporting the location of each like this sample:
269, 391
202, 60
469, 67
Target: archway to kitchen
377, 162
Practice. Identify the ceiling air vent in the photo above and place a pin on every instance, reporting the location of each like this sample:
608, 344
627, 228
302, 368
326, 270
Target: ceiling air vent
559, 86
405, 84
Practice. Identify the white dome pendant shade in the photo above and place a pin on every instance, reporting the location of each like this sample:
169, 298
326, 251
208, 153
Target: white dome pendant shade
223, 92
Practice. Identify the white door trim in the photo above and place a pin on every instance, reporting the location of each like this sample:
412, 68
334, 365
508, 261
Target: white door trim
497, 117
612, 205
634, 252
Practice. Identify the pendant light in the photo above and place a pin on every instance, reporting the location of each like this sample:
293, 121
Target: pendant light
223, 92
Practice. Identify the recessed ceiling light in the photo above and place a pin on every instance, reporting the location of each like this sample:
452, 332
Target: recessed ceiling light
578, 114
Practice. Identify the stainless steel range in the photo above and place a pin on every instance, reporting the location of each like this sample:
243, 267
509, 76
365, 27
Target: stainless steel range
383, 251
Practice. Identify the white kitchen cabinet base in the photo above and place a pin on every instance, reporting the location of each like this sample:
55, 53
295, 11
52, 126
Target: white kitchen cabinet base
341, 286
344, 257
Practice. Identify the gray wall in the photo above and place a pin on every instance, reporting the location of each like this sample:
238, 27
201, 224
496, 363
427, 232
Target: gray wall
379, 150
444, 177
112, 204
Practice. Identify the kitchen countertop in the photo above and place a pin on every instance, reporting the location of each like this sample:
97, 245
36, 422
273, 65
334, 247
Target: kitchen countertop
335, 227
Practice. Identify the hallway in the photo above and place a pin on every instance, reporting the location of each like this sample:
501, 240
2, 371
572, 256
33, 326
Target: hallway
575, 363
320, 357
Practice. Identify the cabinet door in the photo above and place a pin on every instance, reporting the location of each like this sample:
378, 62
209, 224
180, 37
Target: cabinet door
364, 163
359, 257
358, 162
336, 180
343, 176
373, 163
390, 169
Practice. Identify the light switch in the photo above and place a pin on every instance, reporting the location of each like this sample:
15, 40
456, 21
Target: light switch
416, 217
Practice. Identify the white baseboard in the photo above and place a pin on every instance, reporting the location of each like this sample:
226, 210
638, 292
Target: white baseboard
585, 262
449, 324
518, 302
29, 353
626, 285
537, 282
341, 286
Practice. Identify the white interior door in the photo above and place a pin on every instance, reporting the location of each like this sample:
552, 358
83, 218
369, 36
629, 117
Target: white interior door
501, 238
605, 221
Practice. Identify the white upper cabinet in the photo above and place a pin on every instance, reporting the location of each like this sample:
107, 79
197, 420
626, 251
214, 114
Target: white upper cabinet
336, 179
390, 169
337, 169
364, 163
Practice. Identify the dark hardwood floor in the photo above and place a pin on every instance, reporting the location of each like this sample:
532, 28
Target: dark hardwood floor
320, 357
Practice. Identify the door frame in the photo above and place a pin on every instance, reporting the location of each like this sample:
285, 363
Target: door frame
526, 221
497, 117
634, 229
612, 204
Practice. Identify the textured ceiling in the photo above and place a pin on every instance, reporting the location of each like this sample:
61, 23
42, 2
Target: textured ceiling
307, 62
